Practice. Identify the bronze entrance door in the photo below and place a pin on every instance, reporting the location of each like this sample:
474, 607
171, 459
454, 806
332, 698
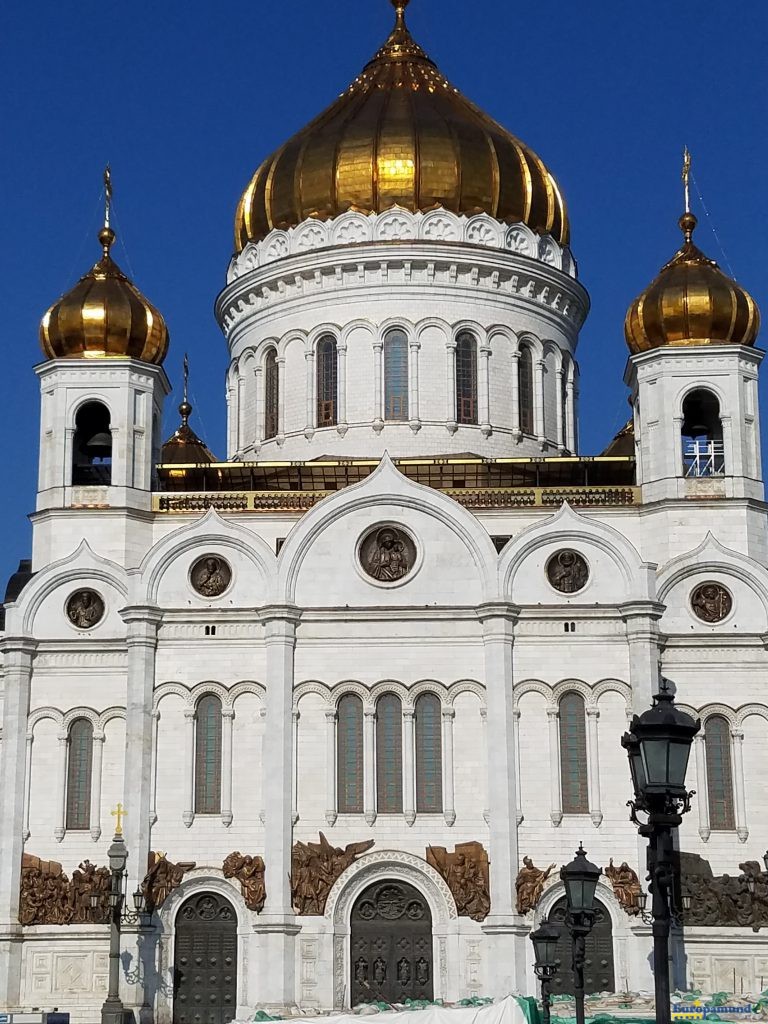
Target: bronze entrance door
598, 965
205, 961
391, 945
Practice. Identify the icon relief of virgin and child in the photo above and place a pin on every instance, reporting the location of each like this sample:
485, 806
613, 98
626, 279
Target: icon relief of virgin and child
388, 559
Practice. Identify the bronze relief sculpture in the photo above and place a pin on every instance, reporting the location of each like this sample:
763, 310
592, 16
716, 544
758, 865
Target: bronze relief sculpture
249, 871
162, 878
466, 871
711, 602
387, 554
530, 885
567, 571
210, 576
626, 886
48, 897
314, 869
85, 609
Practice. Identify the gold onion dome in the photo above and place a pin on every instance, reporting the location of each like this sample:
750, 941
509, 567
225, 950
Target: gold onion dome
401, 135
104, 316
691, 302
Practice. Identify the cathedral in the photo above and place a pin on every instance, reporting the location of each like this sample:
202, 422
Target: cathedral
354, 691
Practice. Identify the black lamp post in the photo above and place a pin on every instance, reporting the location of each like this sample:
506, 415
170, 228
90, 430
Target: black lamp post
658, 745
580, 880
113, 1011
545, 940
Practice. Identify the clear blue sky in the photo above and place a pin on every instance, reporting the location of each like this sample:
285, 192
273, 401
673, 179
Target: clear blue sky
186, 98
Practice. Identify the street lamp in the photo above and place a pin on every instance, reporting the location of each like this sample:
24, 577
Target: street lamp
545, 940
112, 1011
658, 745
580, 879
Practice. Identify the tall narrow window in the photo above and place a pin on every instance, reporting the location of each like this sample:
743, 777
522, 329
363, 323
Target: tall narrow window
208, 756
717, 737
573, 754
349, 746
389, 754
396, 376
327, 382
92, 445
79, 768
271, 394
429, 755
525, 386
466, 378
702, 435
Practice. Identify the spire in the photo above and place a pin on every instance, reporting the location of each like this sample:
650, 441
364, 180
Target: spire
107, 235
185, 447
400, 6
400, 44
185, 409
686, 176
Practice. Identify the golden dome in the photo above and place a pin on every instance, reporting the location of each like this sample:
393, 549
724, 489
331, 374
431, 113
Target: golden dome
691, 302
104, 316
401, 135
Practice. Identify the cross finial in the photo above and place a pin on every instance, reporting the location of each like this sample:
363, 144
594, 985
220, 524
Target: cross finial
185, 408
119, 813
186, 375
400, 6
107, 194
686, 176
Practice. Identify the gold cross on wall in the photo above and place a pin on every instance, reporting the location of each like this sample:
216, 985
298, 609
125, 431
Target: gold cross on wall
119, 813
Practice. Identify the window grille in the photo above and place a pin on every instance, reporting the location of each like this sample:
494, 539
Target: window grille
717, 739
525, 390
349, 741
573, 754
208, 756
396, 376
466, 378
389, 754
79, 769
271, 394
327, 382
429, 755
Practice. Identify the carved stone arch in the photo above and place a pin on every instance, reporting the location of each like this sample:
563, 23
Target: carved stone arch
688, 387
479, 332
208, 686
428, 686
433, 321
573, 686
350, 686
47, 712
483, 230
390, 686
168, 689
466, 686
81, 563
441, 225
109, 715
350, 227
396, 223
276, 246
286, 340
321, 331
712, 556
533, 686
748, 711
82, 400
360, 324
311, 686
520, 239
534, 343
387, 484
710, 710
612, 686
395, 323
243, 687
82, 712
266, 345
312, 234
504, 332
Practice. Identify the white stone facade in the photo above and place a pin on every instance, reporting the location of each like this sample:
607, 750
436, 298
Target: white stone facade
301, 624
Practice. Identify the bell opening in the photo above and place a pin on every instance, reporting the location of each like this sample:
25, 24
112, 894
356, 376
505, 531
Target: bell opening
92, 446
702, 435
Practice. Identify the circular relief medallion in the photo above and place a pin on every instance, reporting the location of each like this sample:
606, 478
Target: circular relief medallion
711, 602
567, 571
85, 609
387, 554
210, 576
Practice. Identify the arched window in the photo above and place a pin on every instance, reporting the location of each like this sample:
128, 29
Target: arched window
327, 382
271, 394
717, 737
396, 375
573, 754
389, 754
466, 378
349, 750
92, 445
429, 755
525, 390
702, 435
79, 767
208, 756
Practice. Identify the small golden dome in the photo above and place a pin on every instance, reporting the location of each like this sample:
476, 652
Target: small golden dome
104, 316
401, 135
691, 302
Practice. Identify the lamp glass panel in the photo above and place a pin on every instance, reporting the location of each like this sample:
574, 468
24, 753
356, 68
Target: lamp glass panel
678, 763
654, 754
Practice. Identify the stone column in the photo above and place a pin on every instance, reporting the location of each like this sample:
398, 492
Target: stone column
28, 783
295, 716
141, 641
645, 641
188, 810
515, 395
519, 791
241, 412
280, 399
258, 406
409, 767
369, 765
702, 794
413, 384
593, 768
153, 804
378, 386
555, 791
450, 381
449, 809
538, 372
484, 390
341, 411
60, 785
737, 745
484, 730
309, 429
96, 773
276, 925
18, 654
507, 955
227, 720
559, 376
570, 418
331, 802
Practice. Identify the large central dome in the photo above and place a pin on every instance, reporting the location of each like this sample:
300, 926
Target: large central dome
402, 135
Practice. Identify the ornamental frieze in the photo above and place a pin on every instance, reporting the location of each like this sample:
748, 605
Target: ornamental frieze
249, 872
314, 869
48, 896
722, 901
162, 877
466, 871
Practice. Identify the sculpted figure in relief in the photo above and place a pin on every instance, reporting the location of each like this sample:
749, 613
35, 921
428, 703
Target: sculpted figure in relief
210, 576
626, 886
567, 571
530, 885
314, 869
85, 609
467, 873
388, 561
711, 602
162, 878
249, 871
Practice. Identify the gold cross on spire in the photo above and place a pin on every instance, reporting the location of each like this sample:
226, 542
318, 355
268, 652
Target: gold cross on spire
686, 176
107, 194
119, 813
400, 6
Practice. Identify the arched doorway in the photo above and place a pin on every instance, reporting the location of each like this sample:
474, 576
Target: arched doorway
205, 961
599, 973
391, 945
